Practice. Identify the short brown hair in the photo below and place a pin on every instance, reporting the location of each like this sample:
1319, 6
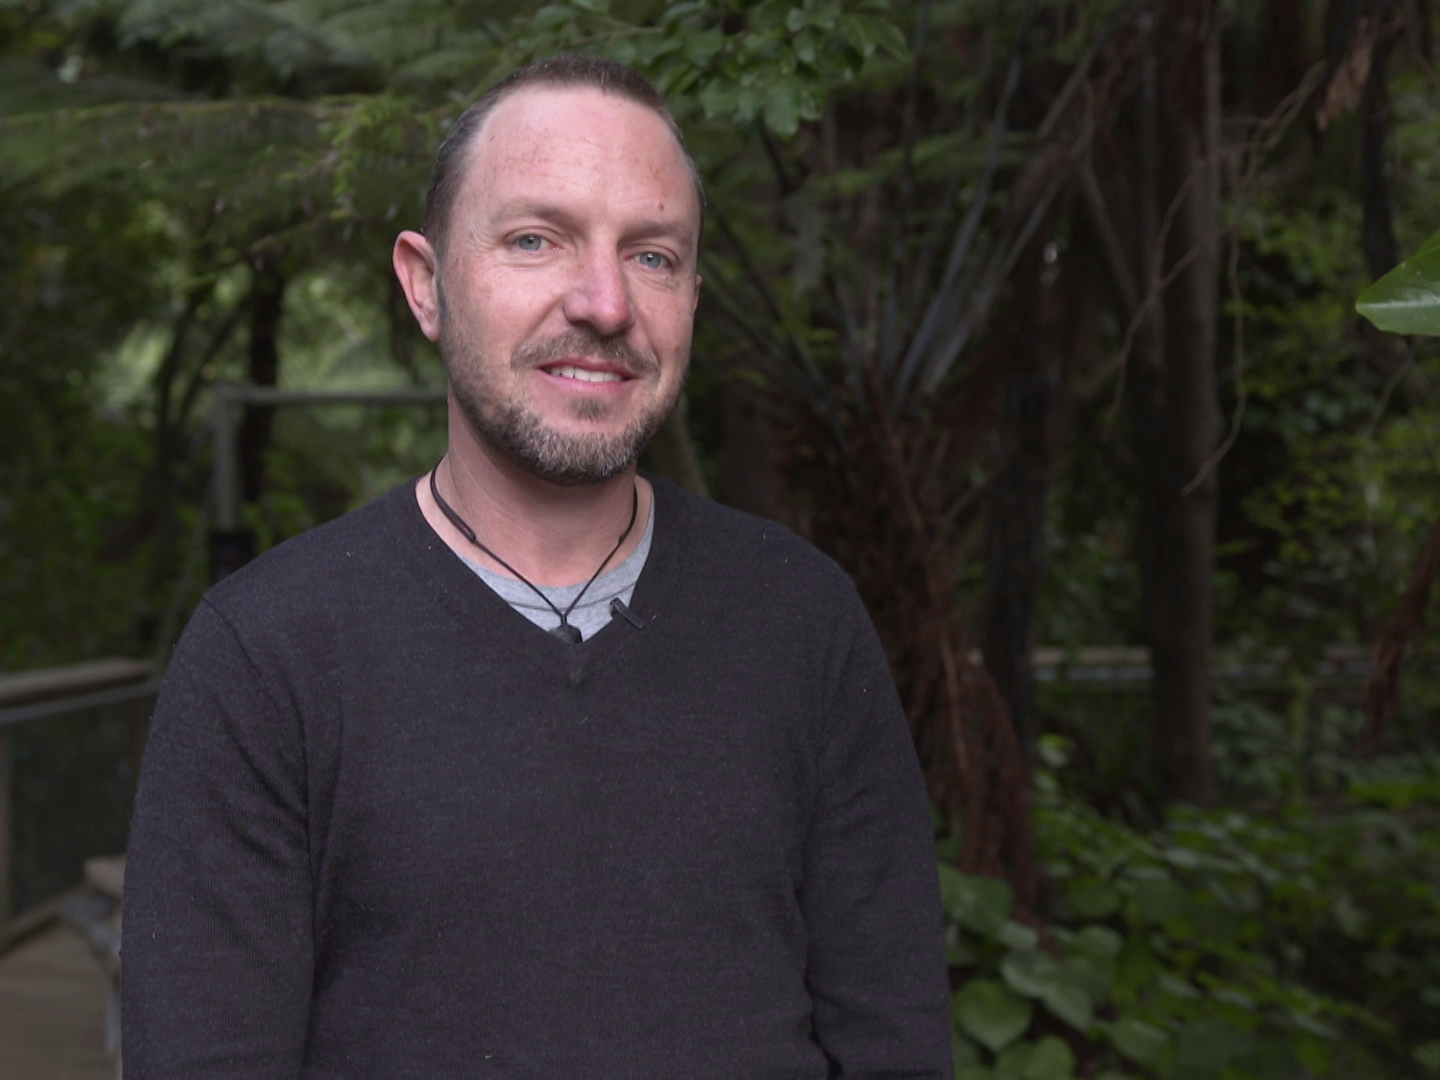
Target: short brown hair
566, 71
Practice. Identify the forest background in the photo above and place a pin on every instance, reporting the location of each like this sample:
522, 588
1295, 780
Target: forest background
1038, 315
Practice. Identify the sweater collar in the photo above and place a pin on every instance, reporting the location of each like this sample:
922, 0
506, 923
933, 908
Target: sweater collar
452, 587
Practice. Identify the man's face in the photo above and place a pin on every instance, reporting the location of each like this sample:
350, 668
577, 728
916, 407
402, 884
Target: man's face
567, 291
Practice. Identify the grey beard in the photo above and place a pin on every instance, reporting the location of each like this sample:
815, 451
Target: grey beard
566, 460
523, 438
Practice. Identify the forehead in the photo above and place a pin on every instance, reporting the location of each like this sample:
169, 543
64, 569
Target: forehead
583, 144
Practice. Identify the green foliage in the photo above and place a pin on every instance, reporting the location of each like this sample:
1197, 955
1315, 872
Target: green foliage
1224, 945
152, 150
1407, 299
741, 61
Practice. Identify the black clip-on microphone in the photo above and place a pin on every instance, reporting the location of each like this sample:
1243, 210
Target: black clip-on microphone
619, 610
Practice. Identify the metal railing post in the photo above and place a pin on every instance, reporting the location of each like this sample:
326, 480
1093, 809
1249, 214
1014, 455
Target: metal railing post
225, 465
231, 544
5, 800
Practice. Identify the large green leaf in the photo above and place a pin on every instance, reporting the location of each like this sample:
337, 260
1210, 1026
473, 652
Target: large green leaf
1138, 1040
1070, 988
1428, 1055
1015, 935
1071, 1004
1095, 977
1052, 1059
1098, 943
1092, 899
1157, 900
1206, 1046
992, 1014
1407, 300
1049, 1059
980, 904
963, 1052
1029, 973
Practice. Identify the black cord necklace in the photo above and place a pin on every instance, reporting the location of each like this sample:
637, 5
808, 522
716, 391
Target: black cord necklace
564, 630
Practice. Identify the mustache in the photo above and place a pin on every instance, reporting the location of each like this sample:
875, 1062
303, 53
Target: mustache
578, 343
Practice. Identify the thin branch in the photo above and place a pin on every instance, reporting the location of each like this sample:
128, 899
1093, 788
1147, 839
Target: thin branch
947, 517
1401, 370
960, 251
1151, 299
1415, 38
758, 282
853, 346
901, 214
1239, 361
1111, 246
1001, 264
1382, 688
716, 288
1078, 76
197, 377
788, 186
936, 232
1268, 133
170, 365
1007, 251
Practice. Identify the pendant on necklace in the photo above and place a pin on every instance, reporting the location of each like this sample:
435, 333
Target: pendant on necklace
566, 632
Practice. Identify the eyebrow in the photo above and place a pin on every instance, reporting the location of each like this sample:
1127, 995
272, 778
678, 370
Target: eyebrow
677, 228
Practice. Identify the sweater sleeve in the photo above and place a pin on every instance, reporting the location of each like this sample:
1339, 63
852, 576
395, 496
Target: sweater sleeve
871, 895
217, 959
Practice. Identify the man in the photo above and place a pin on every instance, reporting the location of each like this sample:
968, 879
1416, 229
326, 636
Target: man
536, 767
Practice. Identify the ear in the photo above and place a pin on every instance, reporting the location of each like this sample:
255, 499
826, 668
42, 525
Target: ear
418, 268
696, 305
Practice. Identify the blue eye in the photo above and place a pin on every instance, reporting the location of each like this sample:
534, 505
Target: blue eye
529, 242
652, 260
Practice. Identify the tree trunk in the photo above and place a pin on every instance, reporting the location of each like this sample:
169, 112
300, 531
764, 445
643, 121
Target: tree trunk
1144, 372
1190, 419
267, 299
1378, 236
749, 475
1015, 525
1285, 53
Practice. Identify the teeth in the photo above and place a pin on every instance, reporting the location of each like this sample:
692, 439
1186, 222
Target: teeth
565, 371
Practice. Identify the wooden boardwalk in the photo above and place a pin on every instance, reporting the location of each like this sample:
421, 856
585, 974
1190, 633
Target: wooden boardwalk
52, 1010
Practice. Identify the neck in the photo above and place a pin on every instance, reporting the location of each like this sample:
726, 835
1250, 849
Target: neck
553, 535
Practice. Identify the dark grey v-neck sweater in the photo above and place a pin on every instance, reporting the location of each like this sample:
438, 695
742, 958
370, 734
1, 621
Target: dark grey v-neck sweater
386, 827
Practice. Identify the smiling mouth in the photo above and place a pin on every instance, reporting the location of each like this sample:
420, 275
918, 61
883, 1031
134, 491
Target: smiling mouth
569, 371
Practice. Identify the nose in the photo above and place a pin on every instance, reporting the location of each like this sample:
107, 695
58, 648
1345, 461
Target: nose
600, 295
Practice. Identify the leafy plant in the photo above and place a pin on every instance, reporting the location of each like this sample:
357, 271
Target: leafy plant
1407, 299
1220, 946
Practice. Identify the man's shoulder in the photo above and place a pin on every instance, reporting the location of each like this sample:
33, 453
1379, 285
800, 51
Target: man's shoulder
348, 557
746, 547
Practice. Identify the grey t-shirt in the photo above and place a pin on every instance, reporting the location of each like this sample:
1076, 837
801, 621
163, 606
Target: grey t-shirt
593, 611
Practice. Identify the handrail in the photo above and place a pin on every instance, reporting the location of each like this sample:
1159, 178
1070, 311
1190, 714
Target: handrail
118, 696
35, 695
69, 680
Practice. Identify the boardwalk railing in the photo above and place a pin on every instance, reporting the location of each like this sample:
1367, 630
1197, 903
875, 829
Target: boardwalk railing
33, 696
1340, 670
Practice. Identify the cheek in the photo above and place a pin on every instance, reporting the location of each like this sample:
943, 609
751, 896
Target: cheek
672, 324
511, 299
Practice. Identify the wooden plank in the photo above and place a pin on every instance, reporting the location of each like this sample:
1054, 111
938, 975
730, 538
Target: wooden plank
71, 680
107, 874
53, 1011
40, 917
5, 798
